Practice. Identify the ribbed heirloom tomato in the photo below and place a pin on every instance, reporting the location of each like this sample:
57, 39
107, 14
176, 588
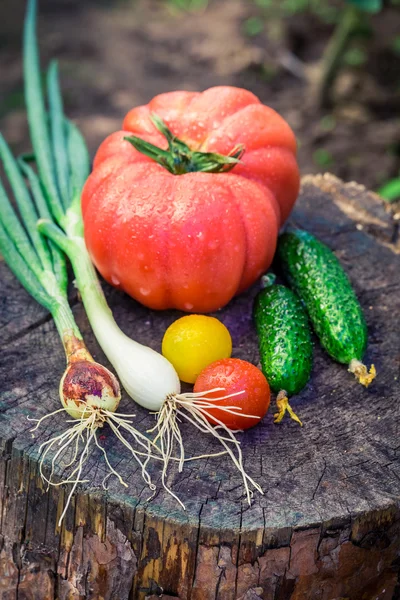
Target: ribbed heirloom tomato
183, 207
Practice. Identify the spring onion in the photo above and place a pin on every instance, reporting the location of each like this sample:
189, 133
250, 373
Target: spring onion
149, 378
89, 392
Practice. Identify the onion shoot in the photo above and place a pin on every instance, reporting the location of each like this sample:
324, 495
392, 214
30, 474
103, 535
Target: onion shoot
89, 392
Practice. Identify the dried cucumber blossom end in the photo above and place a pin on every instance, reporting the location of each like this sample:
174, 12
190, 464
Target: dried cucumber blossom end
283, 406
361, 373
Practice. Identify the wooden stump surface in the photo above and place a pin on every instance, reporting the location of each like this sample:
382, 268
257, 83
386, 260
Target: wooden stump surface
327, 526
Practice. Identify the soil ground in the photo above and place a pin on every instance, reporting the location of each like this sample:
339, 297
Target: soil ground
117, 54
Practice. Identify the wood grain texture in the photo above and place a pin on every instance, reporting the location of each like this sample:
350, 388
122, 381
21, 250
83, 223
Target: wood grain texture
328, 525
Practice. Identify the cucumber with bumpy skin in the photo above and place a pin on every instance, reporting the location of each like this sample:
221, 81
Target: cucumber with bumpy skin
315, 274
284, 339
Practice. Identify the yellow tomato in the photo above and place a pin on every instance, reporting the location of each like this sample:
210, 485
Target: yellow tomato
194, 342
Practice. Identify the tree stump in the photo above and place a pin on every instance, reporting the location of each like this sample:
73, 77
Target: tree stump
327, 526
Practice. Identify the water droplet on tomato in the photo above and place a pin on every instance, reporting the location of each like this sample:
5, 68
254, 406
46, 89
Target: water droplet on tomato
229, 370
144, 291
188, 306
115, 280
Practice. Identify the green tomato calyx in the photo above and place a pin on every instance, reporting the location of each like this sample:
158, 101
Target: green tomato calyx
179, 158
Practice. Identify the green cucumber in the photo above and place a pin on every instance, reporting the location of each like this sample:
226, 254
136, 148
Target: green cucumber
315, 274
284, 338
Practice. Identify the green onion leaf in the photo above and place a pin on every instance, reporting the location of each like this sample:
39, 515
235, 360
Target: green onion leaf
59, 261
20, 269
58, 131
17, 234
56, 234
26, 157
26, 209
37, 115
79, 160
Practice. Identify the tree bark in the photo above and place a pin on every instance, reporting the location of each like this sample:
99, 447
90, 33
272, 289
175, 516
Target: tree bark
327, 526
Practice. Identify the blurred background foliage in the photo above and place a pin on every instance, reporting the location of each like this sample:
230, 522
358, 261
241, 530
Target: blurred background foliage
330, 67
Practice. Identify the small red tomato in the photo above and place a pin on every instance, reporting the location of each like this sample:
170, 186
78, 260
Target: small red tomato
235, 375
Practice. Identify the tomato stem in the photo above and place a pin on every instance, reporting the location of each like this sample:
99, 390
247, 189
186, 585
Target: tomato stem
180, 158
268, 280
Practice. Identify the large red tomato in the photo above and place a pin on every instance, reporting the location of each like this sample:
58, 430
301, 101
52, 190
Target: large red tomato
194, 240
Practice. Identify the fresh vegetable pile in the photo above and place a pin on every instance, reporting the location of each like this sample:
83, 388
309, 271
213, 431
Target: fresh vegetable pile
185, 219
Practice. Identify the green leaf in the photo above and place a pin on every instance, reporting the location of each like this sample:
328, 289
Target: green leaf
21, 270
327, 123
39, 255
58, 131
37, 118
264, 3
396, 45
355, 57
18, 251
323, 158
189, 5
79, 160
390, 190
58, 258
253, 26
295, 6
24, 243
371, 6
